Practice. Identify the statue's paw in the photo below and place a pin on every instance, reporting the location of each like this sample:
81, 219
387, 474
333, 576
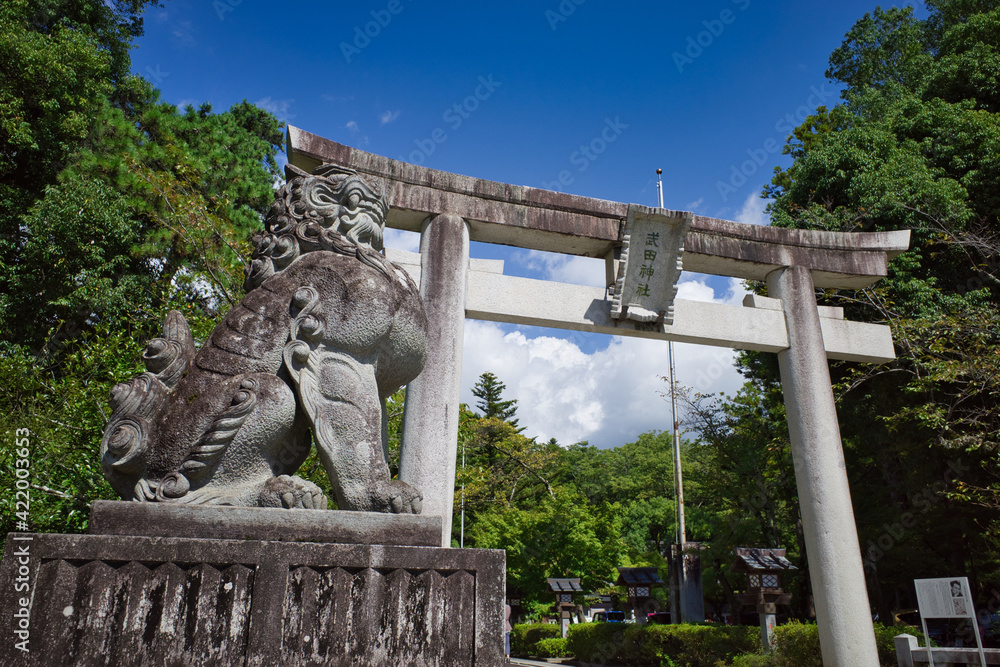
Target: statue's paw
292, 492
398, 498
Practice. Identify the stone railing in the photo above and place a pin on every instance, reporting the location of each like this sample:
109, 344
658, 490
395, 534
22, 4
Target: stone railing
909, 654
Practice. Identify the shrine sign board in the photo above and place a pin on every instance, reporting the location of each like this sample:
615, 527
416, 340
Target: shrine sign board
650, 264
948, 597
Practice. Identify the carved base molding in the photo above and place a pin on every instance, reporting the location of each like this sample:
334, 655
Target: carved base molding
122, 600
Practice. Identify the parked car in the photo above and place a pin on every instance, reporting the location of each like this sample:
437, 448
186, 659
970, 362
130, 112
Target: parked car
609, 617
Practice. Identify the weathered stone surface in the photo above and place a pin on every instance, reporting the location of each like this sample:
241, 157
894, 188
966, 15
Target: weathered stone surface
846, 637
571, 224
114, 600
115, 517
650, 265
328, 330
427, 461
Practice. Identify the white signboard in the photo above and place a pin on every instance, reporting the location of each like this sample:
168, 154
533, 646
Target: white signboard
946, 598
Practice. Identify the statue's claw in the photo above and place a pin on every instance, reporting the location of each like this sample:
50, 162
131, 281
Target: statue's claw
399, 498
292, 492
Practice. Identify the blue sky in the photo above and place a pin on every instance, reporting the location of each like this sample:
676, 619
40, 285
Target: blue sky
583, 96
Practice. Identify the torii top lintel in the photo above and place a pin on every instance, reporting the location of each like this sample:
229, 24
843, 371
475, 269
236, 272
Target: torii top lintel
539, 219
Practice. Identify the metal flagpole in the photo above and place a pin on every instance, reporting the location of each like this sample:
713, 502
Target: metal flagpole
678, 479
461, 535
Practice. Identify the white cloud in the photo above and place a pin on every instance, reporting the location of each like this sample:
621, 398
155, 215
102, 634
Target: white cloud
402, 240
182, 33
693, 206
752, 212
356, 136
388, 116
280, 108
607, 398
564, 268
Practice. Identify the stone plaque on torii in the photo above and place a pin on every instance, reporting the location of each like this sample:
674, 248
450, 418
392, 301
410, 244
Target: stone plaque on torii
449, 210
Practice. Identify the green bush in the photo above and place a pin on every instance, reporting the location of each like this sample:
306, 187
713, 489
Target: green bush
552, 648
525, 636
659, 645
797, 645
749, 660
689, 645
596, 642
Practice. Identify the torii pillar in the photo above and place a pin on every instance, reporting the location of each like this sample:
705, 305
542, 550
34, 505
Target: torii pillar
450, 209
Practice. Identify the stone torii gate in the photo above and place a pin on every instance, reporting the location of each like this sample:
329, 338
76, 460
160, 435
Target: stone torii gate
449, 210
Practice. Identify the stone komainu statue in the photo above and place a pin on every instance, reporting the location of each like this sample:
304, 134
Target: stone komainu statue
328, 330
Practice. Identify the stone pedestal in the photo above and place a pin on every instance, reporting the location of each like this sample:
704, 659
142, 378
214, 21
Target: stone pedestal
129, 600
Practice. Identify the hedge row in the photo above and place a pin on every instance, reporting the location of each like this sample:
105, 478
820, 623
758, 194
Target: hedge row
796, 645
524, 638
658, 645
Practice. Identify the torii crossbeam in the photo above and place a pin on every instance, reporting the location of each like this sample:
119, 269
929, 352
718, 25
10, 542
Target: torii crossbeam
449, 210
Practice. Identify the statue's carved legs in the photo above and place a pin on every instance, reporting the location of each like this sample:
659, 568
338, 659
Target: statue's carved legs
255, 439
339, 394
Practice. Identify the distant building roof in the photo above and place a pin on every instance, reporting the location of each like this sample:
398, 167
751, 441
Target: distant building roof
638, 576
761, 560
564, 585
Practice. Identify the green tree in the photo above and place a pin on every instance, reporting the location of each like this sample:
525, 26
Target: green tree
114, 208
915, 145
489, 390
562, 536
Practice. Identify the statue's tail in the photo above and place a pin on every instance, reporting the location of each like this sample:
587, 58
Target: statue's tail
137, 403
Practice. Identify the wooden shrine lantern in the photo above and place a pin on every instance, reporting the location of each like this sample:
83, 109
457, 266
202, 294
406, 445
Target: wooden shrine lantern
639, 582
564, 590
764, 568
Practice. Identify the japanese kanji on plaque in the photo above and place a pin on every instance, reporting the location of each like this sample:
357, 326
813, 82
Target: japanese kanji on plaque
650, 265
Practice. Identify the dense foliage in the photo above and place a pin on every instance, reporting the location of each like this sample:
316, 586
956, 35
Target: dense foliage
915, 145
114, 208
655, 645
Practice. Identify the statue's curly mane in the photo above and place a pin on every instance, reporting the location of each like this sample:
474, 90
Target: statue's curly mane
332, 209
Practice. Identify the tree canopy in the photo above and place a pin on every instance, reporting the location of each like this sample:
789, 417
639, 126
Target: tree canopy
114, 208
916, 145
